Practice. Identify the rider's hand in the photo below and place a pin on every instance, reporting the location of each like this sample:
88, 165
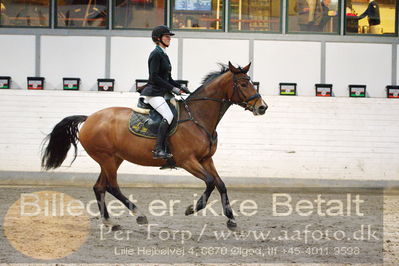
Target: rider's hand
185, 90
176, 91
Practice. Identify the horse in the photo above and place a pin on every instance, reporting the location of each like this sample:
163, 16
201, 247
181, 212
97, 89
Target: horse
105, 137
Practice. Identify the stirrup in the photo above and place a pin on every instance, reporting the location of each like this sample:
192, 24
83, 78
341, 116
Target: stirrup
161, 154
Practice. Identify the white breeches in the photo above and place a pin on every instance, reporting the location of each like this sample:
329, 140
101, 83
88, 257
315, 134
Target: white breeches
160, 105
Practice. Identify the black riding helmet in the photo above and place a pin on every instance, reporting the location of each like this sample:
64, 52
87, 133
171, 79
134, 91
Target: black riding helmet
159, 31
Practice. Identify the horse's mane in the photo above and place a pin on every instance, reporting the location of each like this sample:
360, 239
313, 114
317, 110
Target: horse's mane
212, 75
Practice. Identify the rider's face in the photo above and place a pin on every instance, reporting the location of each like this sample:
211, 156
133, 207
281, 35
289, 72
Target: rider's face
166, 40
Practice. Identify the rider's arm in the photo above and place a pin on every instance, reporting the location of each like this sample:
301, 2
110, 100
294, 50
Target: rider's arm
173, 82
367, 12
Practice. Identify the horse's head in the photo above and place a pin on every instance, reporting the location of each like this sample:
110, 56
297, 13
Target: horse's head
244, 92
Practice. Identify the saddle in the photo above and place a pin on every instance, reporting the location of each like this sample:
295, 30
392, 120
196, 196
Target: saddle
144, 120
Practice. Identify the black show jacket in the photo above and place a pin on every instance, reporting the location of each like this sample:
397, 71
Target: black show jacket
160, 81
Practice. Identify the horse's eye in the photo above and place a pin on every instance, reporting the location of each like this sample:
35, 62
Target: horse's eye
244, 85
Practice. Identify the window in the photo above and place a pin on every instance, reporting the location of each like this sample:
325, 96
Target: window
371, 17
82, 13
313, 16
197, 14
255, 15
25, 13
139, 13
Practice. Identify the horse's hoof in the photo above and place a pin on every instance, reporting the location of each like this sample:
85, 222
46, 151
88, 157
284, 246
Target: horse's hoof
190, 210
232, 225
116, 227
142, 220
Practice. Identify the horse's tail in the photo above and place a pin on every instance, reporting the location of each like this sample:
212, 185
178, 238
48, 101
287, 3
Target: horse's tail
59, 141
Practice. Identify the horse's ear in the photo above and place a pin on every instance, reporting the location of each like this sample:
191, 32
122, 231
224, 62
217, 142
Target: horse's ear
246, 69
233, 69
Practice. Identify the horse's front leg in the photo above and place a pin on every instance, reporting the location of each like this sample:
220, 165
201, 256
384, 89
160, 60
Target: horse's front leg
198, 170
210, 167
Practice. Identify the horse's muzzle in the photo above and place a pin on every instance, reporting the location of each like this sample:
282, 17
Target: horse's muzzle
261, 110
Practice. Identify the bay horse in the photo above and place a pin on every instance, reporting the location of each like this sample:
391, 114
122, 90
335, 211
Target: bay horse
106, 138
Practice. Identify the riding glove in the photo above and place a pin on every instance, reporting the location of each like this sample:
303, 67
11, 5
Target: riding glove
185, 89
176, 91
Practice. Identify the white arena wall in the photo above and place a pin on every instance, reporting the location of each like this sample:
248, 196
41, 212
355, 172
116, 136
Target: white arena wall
300, 138
18, 56
274, 61
72, 56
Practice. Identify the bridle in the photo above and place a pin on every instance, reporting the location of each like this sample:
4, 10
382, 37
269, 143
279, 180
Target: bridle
244, 103
226, 103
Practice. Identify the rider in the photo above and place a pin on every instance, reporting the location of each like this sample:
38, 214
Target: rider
160, 83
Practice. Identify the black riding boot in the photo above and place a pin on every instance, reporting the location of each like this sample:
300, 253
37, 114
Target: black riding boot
160, 149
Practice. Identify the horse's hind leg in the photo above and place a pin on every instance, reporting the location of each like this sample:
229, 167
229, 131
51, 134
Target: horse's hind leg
99, 190
114, 190
196, 169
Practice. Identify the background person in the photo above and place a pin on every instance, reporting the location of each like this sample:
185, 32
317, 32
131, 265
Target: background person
373, 14
308, 12
326, 15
